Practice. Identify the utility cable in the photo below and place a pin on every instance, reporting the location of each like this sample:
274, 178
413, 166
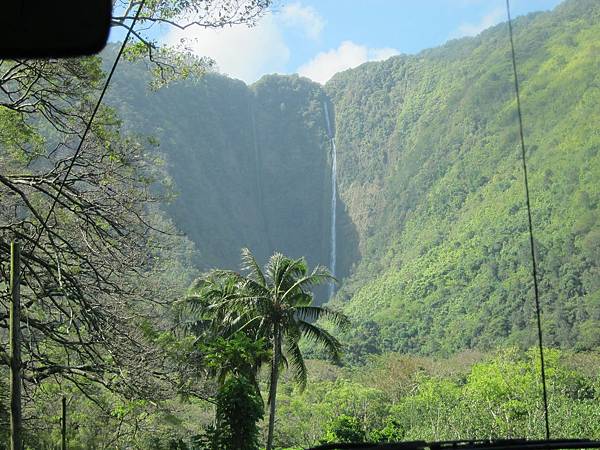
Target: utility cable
88, 125
531, 241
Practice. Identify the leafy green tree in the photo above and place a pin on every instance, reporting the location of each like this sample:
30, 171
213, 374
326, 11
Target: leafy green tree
168, 61
239, 408
496, 396
344, 429
238, 356
426, 414
391, 432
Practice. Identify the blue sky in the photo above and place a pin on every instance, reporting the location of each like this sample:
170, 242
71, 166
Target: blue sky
318, 38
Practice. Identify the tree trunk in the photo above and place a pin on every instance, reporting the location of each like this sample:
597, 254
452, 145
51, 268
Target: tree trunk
63, 425
273, 387
15, 347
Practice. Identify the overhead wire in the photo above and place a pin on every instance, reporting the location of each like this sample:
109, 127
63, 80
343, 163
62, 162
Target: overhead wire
530, 222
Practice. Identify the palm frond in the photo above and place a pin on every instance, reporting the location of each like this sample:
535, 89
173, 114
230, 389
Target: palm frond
211, 276
296, 362
293, 269
323, 274
302, 299
314, 313
305, 282
321, 337
250, 324
255, 287
249, 264
272, 267
283, 271
246, 304
191, 303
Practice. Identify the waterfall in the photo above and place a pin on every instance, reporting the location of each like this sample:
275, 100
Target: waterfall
332, 254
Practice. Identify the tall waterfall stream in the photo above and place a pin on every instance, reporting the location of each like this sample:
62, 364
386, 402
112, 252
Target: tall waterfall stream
332, 255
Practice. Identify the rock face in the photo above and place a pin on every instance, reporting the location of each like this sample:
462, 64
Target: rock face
251, 164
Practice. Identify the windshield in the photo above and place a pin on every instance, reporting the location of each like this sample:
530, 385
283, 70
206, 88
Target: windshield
253, 224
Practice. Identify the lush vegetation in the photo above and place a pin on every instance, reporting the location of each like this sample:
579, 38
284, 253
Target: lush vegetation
432, 229
434, 265
430, 172
397, 397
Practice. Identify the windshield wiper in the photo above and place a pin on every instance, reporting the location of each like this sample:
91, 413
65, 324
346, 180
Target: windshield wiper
496, 444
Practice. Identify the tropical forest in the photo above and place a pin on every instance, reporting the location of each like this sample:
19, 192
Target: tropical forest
405, 251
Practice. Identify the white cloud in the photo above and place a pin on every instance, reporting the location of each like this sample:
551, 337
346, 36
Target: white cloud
348, 55
304, 17
380, 54
472, 29
239, 51
249, 52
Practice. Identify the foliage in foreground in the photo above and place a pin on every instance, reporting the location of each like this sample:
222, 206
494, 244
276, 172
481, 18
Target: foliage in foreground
470, 396
97, 257
393, 397
239, 407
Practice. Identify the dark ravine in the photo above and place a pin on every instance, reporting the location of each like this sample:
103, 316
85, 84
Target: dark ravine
251, 164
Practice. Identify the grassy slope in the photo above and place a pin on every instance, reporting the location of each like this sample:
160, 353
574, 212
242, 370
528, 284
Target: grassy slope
430, 171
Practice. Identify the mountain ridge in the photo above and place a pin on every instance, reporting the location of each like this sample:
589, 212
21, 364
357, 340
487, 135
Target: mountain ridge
444, 175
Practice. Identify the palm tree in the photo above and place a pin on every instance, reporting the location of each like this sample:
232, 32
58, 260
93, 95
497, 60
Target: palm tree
225, 349
274, 304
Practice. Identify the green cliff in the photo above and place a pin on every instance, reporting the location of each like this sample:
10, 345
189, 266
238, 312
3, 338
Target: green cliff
431, 174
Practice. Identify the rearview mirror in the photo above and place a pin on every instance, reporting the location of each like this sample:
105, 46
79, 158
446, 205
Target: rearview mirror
53, 28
